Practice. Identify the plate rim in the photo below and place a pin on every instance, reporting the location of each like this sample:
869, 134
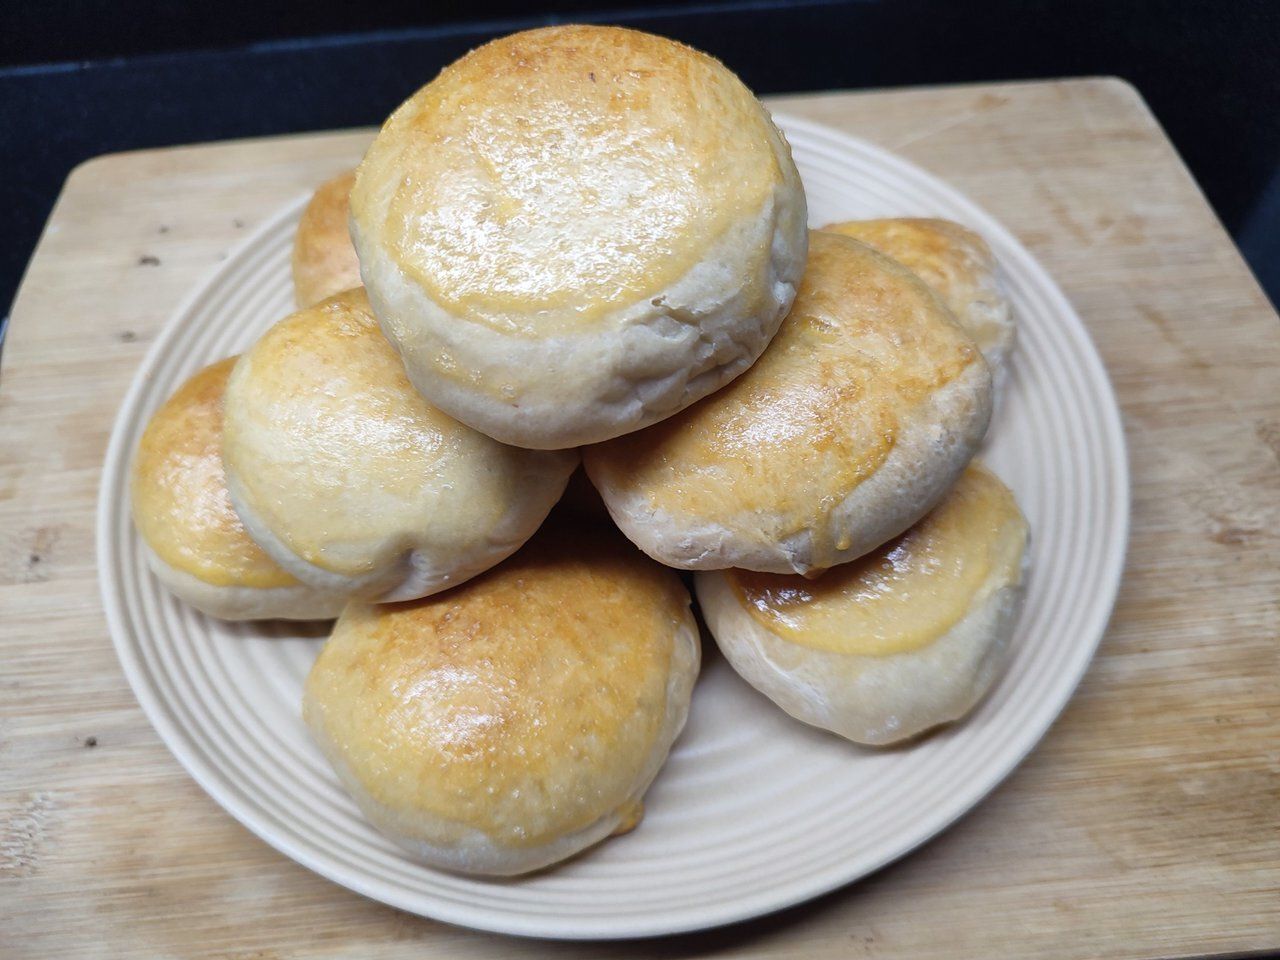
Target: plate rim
217, 785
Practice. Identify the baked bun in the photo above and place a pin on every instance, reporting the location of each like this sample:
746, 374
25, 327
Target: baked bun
861, 414
576, 231
352, 482
193, 540
959, 266
324, 261
519, 718
885, 647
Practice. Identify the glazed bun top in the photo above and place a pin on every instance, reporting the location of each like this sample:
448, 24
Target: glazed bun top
909, 592
180, 501
960, 267
324, 260
525, 704
349, 478
863, 410
555, 176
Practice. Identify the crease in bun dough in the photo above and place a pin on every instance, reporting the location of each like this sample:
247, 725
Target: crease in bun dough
858, 418
511, 722
352, 482
324, 260
894, 643
576, 231
193, 540
960, 267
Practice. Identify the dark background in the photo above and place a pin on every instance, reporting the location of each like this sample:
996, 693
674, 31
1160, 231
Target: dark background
84, 77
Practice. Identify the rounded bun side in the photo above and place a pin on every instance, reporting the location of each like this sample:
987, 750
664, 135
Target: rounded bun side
235, 602
858, 418
355, 484
932, 449
899, 642
959, 266
194, 542
324, 261
868, 700
518, 719
613, 229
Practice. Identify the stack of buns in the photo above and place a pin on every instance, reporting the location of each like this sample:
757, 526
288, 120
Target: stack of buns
589, 245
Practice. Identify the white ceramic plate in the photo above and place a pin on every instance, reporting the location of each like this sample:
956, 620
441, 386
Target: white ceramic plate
754, 811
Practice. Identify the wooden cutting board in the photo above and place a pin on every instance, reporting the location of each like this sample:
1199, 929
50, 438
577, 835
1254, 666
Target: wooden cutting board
1147, 824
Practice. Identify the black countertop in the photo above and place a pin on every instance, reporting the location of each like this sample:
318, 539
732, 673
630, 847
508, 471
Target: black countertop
1209, 71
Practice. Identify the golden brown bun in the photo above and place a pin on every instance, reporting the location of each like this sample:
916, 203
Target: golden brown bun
576, 231
519, 718
352, 481
196, 545
960, 267
324, 261
854, 423
894, 643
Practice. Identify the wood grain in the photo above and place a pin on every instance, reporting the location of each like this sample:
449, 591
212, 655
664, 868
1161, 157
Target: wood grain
1147, 824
